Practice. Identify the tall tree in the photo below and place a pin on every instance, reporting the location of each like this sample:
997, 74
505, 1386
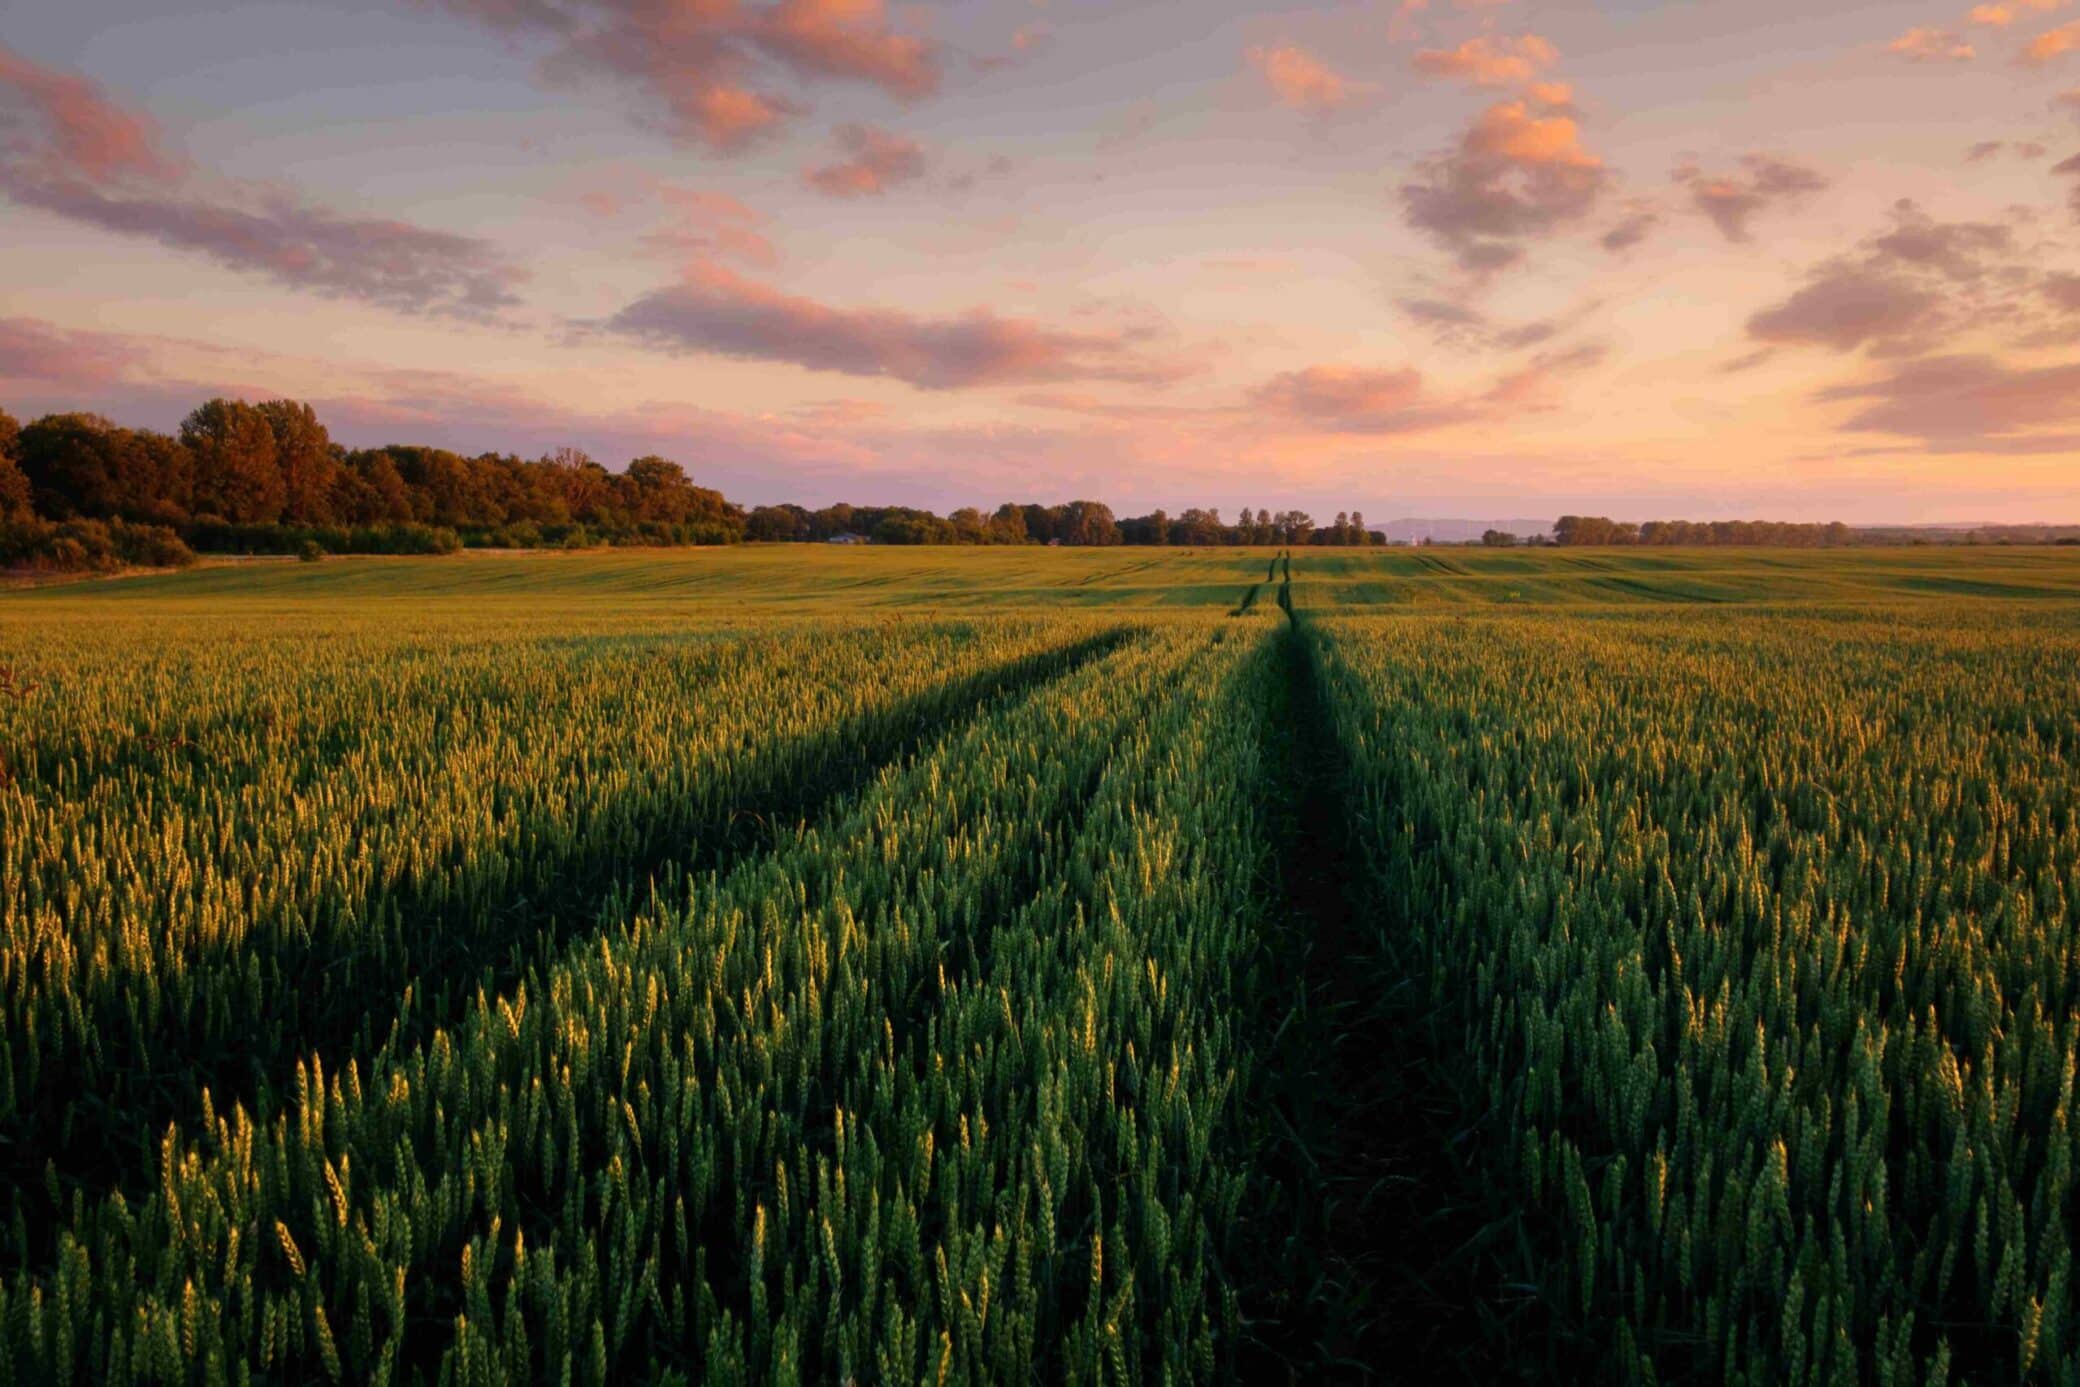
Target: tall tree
303, 451
236, 475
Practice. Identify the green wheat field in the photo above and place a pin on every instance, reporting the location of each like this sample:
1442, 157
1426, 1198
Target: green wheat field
784, 965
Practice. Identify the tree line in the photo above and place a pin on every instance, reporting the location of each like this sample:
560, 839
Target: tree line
1602, 530
77, 491
1074, 522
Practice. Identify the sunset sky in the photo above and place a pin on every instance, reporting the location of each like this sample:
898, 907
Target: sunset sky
1465, 257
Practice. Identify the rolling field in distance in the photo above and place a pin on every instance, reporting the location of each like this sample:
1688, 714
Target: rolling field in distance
803, 964
819, 578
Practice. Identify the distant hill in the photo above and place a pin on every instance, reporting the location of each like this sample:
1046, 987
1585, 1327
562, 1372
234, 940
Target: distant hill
1458, 531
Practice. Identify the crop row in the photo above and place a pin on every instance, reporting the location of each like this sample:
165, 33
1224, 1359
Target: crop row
1756, 939
941, 1086
291, 844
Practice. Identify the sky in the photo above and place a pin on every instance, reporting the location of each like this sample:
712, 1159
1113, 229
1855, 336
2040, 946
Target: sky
1722, 258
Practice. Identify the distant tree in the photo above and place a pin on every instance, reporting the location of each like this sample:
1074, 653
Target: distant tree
1040, 522
1008, 524
1498, 539
236, 475
15, 491
1196, 526
969, 526
659, 492
902, 525
369, 490
1359, 534
1087, 522
161, 471
777, 524
1158, 526
70, 464
303, 452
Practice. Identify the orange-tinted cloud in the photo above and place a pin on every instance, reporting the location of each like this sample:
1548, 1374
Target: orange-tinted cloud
2051, 44
2006, 12
700, 60
71, 151
1490, 62
1532, 388
718, 312
874, 161
1734, 200
1299, 79
1932, 46
1519, 171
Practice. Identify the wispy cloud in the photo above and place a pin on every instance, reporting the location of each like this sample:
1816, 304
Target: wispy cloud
1734, 200
1970, 400
1490, 62
1299, 79
872, 161
72, 151
1932, 46
703, 66
718, 312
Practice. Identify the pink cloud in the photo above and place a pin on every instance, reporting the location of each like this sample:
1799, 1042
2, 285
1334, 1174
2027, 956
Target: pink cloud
34, 351
1932, 46
847, 39
1731, 201
1970, 402
718, 312
700, 61
2069, 102
874, 161
710, 222
1355, 399
1299, 79
1910, 288
73, 152
1491, 62
2050, 45
2064, 291
1519, 171
66, 121
2071, 169
1846, 307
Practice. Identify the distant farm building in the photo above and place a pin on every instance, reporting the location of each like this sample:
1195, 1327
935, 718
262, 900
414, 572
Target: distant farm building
847, 537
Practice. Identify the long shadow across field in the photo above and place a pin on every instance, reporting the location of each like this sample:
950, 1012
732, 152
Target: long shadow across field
107, 1138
